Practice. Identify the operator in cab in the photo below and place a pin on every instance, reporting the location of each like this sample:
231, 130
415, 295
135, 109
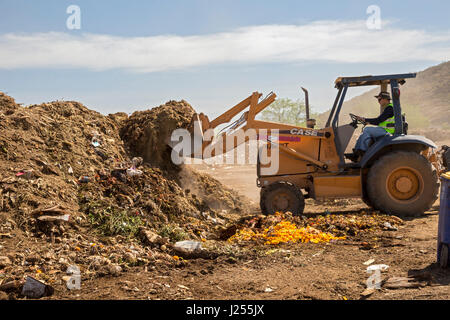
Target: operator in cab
385, 125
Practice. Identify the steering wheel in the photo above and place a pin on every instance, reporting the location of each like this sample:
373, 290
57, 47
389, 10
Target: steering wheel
356, 120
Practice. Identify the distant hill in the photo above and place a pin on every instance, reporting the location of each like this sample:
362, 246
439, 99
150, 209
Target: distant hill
425, 100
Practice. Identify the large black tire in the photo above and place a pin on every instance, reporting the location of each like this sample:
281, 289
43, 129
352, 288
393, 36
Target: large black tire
282, 196
368, 202
402, 183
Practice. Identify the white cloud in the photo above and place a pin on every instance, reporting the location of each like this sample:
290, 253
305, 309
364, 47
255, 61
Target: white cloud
340, 41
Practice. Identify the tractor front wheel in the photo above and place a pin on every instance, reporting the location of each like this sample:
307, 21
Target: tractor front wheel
282, 197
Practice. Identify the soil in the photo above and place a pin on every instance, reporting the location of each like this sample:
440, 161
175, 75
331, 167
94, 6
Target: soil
123, 229
296, 271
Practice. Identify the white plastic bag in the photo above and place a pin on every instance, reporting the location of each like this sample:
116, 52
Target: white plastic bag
374, 281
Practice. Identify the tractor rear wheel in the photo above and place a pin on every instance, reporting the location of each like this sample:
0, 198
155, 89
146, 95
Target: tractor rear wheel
402, 183
282, 197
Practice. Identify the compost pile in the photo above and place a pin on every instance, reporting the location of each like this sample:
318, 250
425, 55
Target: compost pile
76, 184
146, 132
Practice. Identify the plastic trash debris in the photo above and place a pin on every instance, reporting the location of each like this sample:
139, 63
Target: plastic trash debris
84, 179
70, 170
137, 161
131, 172
54, 210
74, 281
188, 248
65, 217
388, 226
26, 174
95, 139
368, 262
73, 269
374, 281
36, 289
188, 245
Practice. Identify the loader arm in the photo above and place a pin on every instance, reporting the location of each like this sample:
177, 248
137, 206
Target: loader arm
221, 144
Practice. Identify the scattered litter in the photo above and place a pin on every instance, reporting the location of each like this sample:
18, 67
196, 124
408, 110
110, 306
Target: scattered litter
389, 227
95, 141
137, 161
36, 289
131, 172
74, 280
65, 217
268, 289
26, 174
374, 281
368, 262
84, 179
187, 246
54, 210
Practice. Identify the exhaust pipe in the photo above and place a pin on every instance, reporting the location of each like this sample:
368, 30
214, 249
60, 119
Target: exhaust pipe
310, 123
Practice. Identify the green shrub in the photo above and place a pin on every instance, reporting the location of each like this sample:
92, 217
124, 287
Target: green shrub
111, 221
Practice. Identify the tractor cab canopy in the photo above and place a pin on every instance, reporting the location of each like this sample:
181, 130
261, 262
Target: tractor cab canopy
394, 80
383, 80
344, 133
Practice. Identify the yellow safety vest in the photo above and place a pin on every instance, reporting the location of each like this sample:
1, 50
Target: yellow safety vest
388, 124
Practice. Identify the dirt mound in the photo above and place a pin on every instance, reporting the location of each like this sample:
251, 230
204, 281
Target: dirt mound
44, 148
66, 176
146, 132
7, 104
63, 153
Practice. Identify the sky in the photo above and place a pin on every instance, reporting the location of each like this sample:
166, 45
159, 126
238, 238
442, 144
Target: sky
122, 56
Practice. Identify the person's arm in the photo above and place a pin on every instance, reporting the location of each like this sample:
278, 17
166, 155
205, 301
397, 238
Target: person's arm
387, 113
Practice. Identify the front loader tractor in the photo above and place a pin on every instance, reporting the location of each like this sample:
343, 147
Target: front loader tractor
397, 175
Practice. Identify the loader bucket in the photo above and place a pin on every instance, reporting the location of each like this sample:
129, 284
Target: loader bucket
190, 139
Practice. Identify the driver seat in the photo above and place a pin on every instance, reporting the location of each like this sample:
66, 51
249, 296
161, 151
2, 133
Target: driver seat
405, 131
352, 157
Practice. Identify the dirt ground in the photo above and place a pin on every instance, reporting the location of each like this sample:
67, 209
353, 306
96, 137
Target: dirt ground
333, 271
